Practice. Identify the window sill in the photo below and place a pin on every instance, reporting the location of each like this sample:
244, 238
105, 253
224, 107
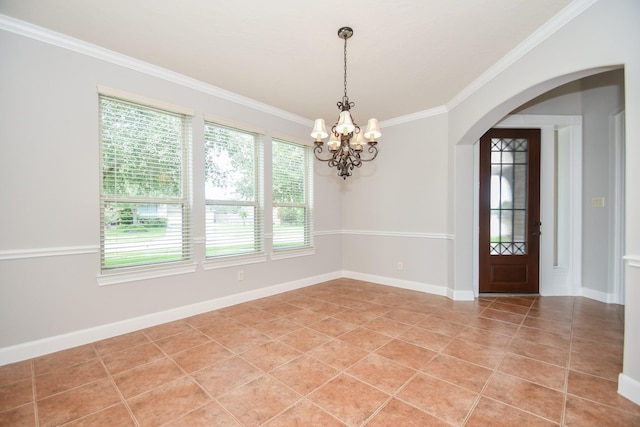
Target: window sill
214, 263
292, 253
150, 273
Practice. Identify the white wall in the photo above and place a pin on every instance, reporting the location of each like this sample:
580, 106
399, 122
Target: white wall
596, 98
563, 100
396, 209
49, 182
602, 98
601, 38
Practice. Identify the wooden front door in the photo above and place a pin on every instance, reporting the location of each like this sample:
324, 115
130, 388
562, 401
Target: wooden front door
509, 211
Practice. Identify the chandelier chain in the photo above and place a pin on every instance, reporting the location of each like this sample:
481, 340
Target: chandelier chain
345, 69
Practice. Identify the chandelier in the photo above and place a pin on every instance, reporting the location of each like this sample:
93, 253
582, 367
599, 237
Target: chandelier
347, 140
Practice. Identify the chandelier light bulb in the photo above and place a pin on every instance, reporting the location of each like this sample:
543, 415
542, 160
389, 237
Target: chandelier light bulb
334, 142
373, 130
357, 141
319, 131
345, 123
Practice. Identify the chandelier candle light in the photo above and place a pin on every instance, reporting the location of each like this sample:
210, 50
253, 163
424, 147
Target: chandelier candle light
347, 139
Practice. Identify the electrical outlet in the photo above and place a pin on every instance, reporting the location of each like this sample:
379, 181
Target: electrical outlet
240, 275
400, 265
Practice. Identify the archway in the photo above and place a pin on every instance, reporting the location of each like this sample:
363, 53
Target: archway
463, 155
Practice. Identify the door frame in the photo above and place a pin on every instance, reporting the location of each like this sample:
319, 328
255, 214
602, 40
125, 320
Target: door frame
563, 277
617, 221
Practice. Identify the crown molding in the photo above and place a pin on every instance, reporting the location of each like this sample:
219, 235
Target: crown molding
561, 19
565, 16
431, 112
26, 29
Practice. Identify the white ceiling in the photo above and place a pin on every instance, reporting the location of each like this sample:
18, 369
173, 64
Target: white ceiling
405, 56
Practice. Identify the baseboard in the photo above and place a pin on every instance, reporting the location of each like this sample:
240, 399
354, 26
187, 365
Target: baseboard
398, 283
415, 286
555, 287
597, 295
44, 346
460, 295
629, 388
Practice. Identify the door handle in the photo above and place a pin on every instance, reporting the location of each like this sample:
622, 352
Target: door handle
537, 232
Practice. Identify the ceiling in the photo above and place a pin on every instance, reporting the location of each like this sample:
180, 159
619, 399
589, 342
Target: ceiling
405, 56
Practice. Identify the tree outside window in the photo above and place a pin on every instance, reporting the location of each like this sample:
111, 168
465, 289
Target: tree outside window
145, 209
292, 195
233, 191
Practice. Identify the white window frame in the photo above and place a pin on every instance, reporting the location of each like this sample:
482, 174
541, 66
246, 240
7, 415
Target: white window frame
258, 255
126, 273
308, 247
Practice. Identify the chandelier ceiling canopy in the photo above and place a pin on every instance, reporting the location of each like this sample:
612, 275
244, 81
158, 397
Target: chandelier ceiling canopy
346, 139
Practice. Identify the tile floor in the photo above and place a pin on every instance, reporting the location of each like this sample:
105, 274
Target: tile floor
339, 353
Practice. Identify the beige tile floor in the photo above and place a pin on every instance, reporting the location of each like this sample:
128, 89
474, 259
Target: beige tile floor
339, 353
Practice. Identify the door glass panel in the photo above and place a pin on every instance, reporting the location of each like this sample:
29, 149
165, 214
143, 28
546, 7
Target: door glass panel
520, 189
508, 196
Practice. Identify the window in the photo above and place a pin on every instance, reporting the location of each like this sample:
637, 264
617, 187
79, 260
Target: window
292, 196
233, 191
145, 191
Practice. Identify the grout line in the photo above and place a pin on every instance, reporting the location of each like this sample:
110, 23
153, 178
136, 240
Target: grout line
405, 385
75, 420
378, 409
295, 402
524, 410
35, 392
72, 388
190, 377
568, 369
212, 397
421, 372
497, 366
113, 383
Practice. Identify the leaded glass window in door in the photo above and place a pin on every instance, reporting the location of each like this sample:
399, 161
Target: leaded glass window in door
509, 162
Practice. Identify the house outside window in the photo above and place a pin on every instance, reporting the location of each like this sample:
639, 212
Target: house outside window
145, 209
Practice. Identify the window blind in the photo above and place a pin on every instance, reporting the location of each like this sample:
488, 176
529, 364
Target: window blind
292, 195
234, 165
145, 186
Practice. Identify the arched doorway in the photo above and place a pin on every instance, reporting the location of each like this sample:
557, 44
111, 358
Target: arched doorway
465, 196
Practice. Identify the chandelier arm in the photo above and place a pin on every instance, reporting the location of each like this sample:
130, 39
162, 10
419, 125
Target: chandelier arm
335, 160
354, 157
345, 167
373, 150
318, 149
343, 161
